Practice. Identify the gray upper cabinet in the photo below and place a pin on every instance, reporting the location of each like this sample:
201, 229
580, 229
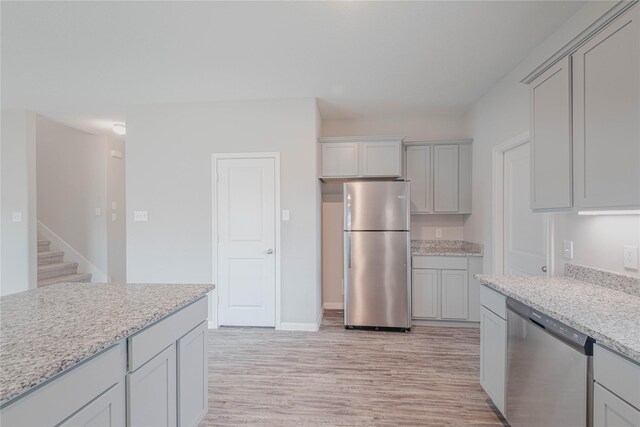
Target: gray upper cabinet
361, 157
585, 119
606, 116
445, 178
550, 109
440, 175
419, 173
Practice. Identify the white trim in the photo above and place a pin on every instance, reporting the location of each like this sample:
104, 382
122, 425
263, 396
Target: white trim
70, 254
389, 138
213, 312
497, 206
292, 326
618, 9
438, 142
333, 306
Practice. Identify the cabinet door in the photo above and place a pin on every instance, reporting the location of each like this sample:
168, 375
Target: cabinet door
611, 411
424, 294
193, 391
445, 177
106, 410
419, 174
606, 106
339, 159
454, 294
151, 392
381, 159
550, 109
493, 349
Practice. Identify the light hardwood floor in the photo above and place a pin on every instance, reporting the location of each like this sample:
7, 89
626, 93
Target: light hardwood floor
337, 377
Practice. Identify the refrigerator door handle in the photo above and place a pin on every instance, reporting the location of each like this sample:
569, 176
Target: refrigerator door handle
349, 248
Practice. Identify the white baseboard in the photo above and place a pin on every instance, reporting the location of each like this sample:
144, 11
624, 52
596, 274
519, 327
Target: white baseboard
333, 306
292, 326
70, 254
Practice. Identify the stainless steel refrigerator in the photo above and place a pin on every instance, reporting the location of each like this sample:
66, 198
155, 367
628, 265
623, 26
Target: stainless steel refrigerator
377, 247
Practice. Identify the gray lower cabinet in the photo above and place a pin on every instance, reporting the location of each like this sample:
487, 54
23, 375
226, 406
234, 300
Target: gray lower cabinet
443, 288
616, 394
424, 293
151, 392
493, 345
104, 411
611, 411
193, 391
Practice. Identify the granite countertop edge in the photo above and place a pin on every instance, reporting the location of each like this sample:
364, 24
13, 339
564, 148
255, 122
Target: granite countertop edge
93, 349
600, 337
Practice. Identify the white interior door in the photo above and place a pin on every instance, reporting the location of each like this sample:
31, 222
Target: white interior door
525, 232
246, 225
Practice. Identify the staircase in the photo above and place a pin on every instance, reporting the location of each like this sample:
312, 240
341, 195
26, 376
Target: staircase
52, 268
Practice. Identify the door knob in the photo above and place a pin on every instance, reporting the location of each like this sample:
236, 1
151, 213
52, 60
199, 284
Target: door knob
544, 269
268, 251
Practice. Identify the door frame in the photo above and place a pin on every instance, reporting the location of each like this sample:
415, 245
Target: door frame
213, 295
497, 205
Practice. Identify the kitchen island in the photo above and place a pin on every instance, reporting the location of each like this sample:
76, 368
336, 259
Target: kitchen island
117, 353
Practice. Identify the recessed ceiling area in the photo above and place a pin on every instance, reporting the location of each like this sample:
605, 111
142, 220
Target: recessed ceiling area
82, 62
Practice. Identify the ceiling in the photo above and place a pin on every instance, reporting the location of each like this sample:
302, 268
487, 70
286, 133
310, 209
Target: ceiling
82, 62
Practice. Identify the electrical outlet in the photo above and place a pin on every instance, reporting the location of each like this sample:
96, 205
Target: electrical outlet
567, 250
16, 216
140, 216
285, 215
114, 206
438, 233
630, 254
114, 217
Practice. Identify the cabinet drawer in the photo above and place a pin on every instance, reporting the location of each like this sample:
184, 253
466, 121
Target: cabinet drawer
152, 340
57, 400
617, 373
494, 301
611, 411
440, 262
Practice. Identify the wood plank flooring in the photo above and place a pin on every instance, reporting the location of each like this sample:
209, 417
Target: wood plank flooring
337, 377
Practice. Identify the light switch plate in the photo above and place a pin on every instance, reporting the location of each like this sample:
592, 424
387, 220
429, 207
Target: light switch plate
114, 217
98, 211
567, 249
630, 254
140, 216
16, 216
285, 215
114, 206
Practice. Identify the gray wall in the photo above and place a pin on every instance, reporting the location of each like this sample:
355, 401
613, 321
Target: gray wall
18, 270
168, 170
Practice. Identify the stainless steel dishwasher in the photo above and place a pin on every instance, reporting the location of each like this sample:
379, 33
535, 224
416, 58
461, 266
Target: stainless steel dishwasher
549, 372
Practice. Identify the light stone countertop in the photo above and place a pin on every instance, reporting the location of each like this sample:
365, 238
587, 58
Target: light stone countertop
446, 248
609, 316
47, 330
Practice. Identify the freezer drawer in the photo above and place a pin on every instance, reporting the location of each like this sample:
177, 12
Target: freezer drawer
376, 206
377, 284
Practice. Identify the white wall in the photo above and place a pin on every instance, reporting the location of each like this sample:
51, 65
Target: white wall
168, 171
424, 227
332, 254
71, 174
116, 230
413, 128
501, 114
18, 248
